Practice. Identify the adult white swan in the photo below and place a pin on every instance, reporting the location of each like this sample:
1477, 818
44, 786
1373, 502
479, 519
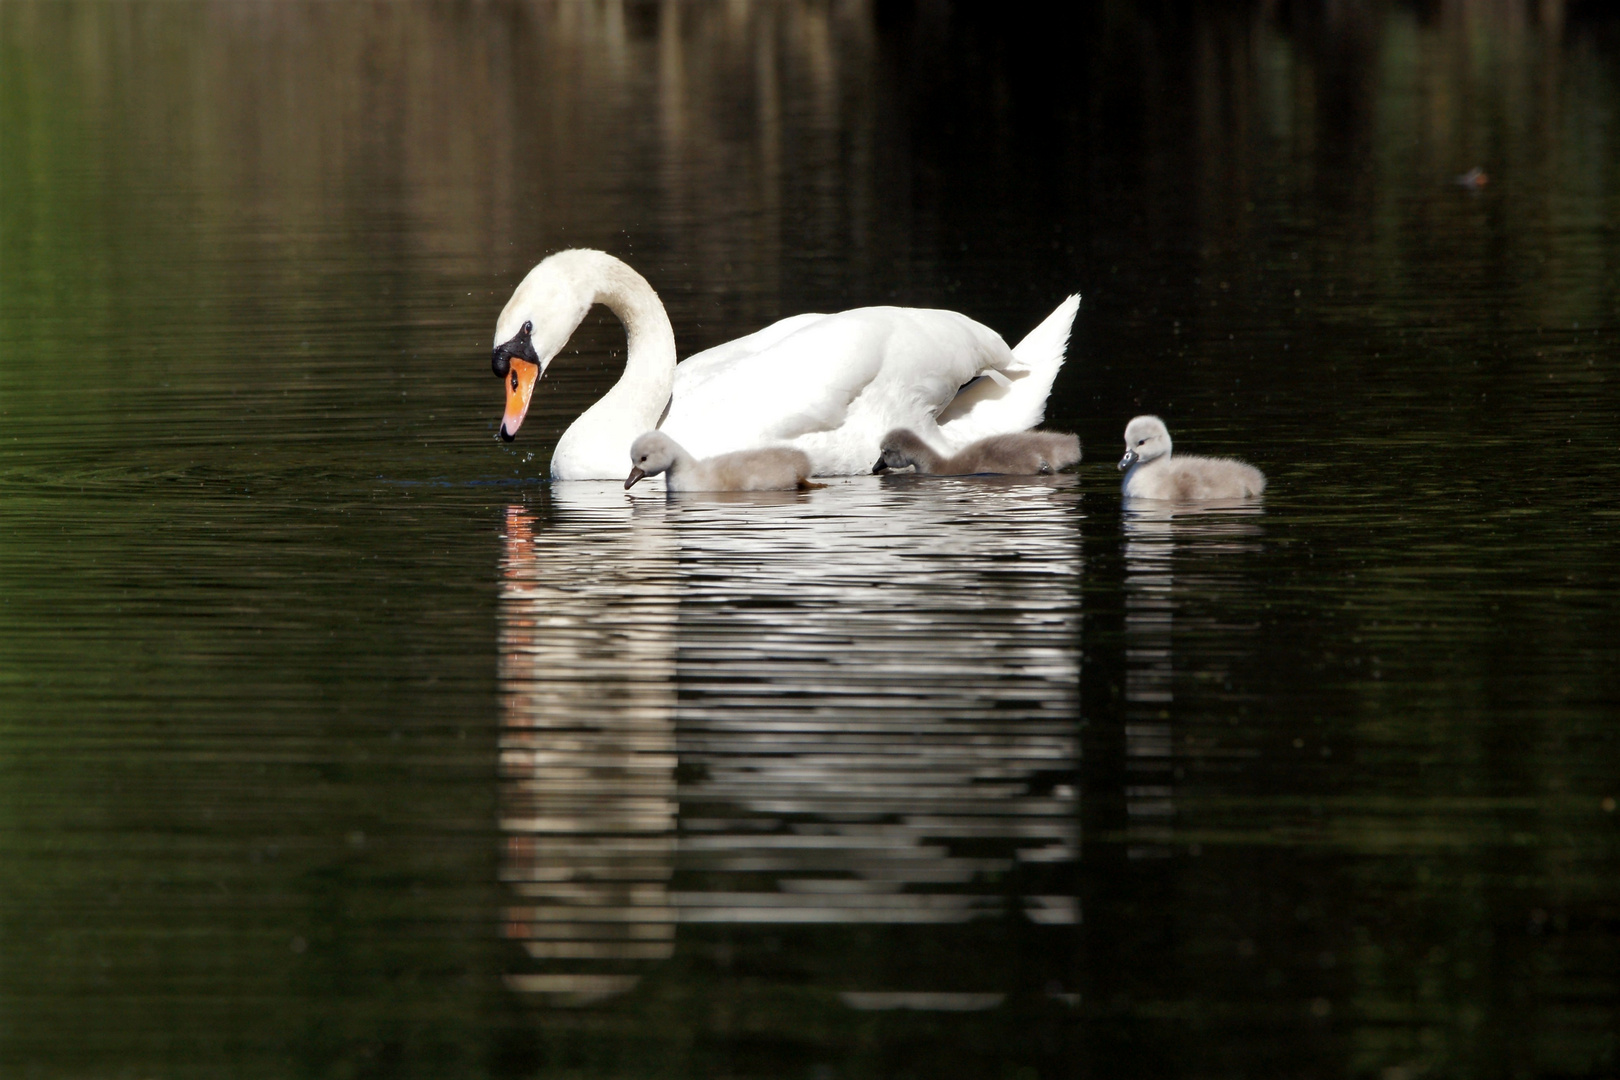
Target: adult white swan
830, 385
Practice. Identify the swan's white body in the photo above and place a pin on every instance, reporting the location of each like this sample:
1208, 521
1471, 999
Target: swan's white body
829, 385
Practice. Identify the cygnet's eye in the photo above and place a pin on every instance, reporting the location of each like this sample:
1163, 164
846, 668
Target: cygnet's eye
1139, 442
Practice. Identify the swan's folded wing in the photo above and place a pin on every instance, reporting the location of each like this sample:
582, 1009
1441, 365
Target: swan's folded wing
695, 371
849, 376
796, 376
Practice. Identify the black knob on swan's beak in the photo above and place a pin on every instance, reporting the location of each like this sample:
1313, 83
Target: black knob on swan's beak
500, 361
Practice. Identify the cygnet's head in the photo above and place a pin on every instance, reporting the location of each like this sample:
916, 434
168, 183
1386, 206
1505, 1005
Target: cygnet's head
650, 455
1146, 438
898, 450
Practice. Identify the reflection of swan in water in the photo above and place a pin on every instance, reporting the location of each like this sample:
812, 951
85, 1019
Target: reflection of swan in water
870, 687
878, 692
587, 666
1152, 533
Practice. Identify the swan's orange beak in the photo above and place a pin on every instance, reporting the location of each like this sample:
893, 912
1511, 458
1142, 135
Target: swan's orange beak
520, 382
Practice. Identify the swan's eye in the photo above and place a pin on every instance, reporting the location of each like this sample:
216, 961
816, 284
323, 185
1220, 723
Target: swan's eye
514, 380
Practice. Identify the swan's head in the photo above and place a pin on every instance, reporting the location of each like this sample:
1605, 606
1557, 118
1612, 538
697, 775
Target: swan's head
898, 450
650, 455
1146, 438
545, 310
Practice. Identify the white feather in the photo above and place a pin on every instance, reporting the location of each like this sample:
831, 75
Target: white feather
829, 385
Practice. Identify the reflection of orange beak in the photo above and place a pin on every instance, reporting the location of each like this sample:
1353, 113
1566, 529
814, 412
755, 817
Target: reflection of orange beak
519, 532
519, 386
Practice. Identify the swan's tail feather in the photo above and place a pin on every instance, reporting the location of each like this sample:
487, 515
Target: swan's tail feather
1020, 404
1044, 346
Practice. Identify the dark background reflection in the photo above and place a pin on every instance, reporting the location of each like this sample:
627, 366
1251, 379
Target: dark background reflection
1346, 797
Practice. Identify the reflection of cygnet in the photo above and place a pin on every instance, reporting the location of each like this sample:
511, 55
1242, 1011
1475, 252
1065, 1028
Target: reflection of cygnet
1155, 475
1022, 453
771, 468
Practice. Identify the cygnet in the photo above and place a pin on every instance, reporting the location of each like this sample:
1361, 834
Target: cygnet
1022, 453
770, 468
1155, 475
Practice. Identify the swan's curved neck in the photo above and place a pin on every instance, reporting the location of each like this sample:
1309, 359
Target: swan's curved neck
649, 364
597, 443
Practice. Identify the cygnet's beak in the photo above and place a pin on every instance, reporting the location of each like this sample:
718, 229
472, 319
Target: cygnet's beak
630, 481
520, 382
880, 467
1128, 460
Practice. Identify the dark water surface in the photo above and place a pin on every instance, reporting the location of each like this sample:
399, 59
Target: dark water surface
334, 742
